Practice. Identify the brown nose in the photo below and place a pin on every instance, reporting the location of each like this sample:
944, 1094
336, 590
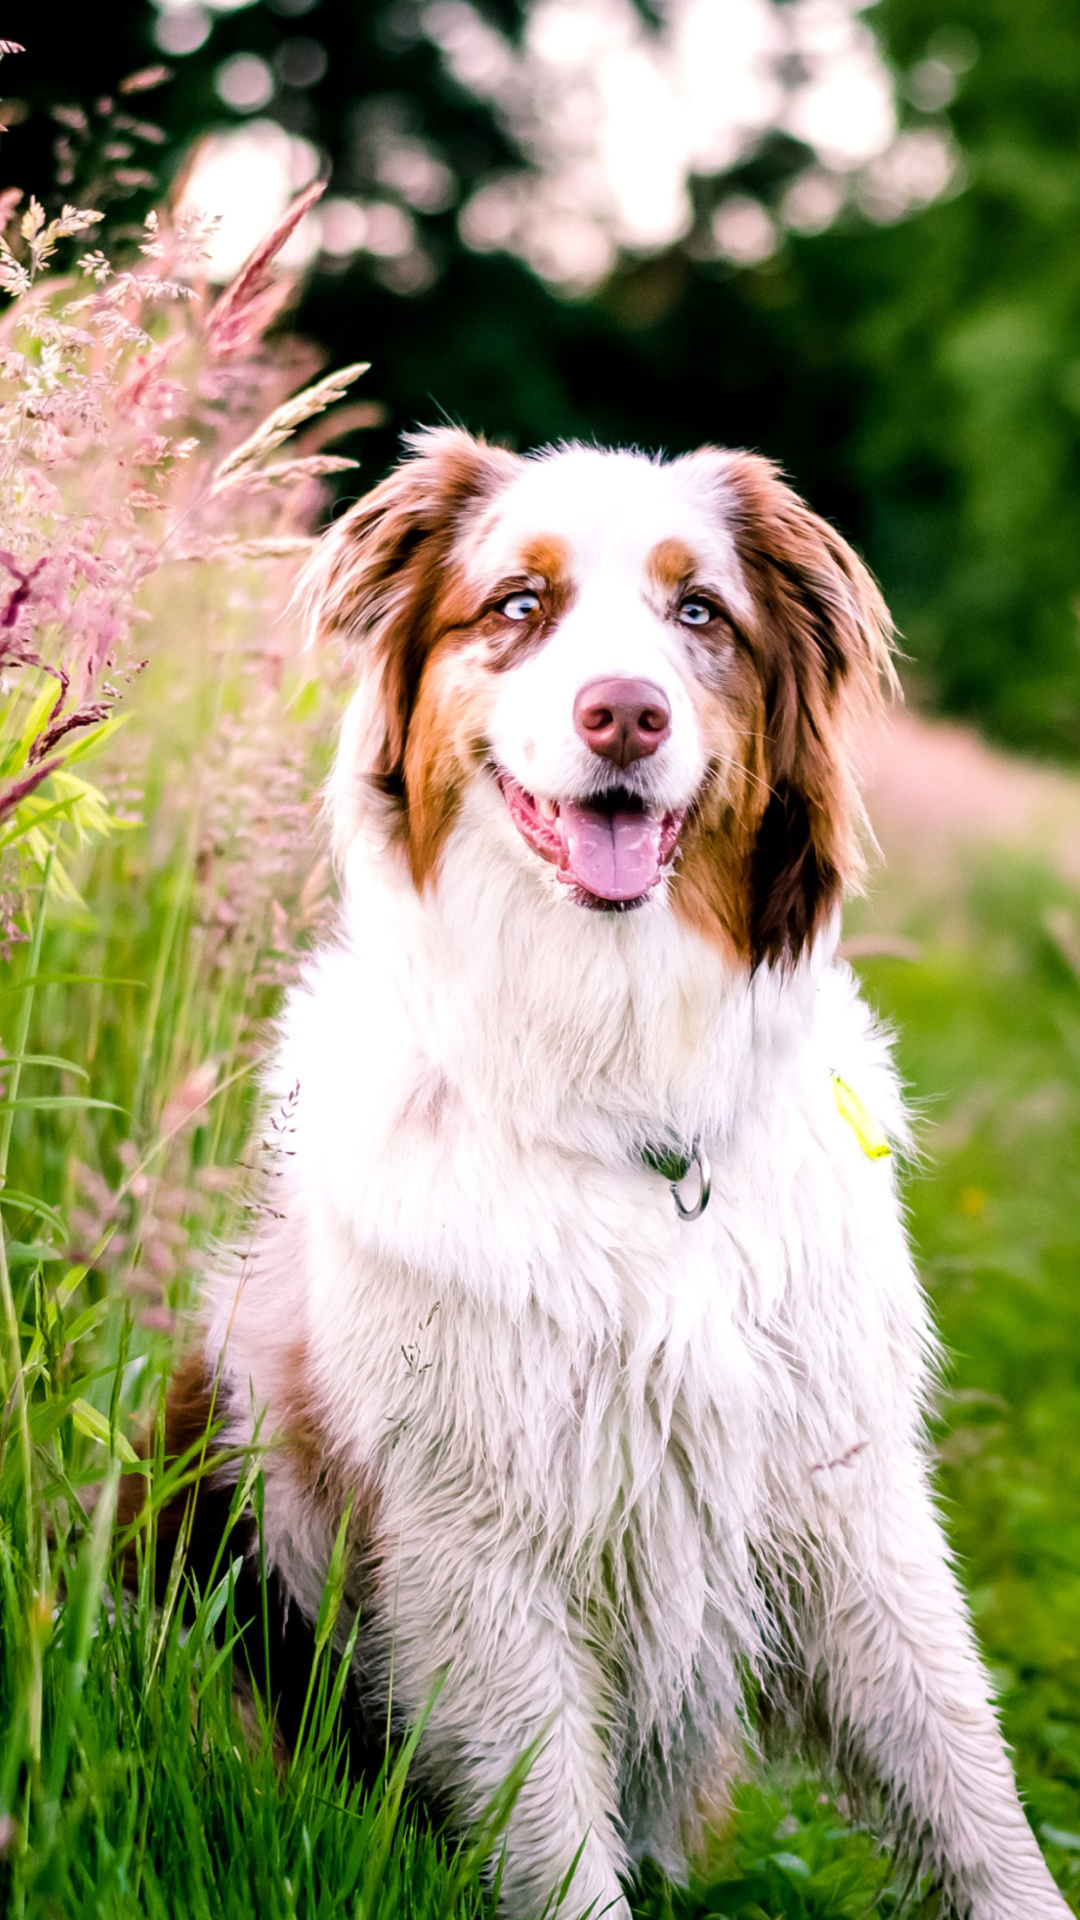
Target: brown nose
622, 720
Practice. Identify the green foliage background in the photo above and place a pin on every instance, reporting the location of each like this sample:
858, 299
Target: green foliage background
921, 381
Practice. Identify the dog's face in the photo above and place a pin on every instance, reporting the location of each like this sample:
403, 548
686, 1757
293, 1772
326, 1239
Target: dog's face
651, 668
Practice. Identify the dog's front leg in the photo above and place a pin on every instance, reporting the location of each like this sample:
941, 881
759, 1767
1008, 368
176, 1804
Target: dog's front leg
909, 1705
515, 1678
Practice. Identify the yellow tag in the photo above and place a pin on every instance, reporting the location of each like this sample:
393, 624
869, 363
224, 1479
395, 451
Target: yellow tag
860, 1120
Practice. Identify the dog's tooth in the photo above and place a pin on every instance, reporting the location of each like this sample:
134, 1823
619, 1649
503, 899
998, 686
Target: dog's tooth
548, 809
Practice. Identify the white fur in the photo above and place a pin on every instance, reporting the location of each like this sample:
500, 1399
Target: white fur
623, 1462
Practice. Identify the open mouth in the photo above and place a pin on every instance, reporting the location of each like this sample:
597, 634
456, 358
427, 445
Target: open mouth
612, 849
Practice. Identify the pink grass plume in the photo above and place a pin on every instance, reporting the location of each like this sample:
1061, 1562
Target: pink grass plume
257, 295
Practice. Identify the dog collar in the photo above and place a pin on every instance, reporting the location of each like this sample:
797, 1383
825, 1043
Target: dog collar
674, 1165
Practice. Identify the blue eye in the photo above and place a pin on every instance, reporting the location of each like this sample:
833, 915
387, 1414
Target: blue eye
519, 606
696, 612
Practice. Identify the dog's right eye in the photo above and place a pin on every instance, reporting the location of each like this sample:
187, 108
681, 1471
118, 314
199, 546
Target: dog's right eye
696, 611
519, 606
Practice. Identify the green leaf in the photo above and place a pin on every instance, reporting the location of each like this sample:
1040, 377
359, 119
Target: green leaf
55, 1102
82, 1608
68, 980
29, 1203
330, 1604
24, 1253
42, 1060
95, 1426
792, 1864
1059, 1838
86, 1322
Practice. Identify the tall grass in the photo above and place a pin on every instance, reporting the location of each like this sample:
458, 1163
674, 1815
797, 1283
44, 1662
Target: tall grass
152, 919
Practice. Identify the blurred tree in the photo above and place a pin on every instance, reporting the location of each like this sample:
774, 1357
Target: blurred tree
918, 374
964, 332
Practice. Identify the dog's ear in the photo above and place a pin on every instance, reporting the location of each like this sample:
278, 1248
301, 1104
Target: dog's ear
819, 636
377, 583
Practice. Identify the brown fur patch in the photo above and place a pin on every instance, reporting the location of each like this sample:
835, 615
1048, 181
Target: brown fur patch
319, 1470
767, 866
546, 571
193, 1406
385, 578
671, 565
447, 741
548, 558
709, 890
447, 734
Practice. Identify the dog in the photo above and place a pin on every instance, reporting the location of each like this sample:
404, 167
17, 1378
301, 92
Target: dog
584, 1290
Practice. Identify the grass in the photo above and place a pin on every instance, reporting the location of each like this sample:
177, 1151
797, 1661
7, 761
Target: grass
131, 1783
989, 1026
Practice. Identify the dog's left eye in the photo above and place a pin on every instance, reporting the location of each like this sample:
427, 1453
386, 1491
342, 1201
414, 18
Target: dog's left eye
519, 606
696, 612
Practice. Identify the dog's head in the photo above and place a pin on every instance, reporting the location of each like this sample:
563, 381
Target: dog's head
653, 667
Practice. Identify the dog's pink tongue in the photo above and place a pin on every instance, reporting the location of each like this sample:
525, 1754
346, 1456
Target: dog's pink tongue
615, 856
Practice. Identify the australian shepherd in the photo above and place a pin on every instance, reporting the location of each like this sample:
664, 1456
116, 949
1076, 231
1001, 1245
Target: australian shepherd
583, 1285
